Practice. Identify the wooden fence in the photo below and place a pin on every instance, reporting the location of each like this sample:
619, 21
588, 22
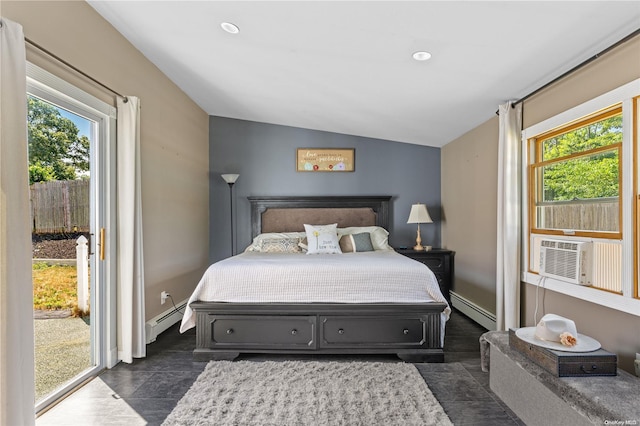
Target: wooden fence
60, 206
592, 215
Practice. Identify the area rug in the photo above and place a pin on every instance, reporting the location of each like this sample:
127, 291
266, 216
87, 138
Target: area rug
308, 393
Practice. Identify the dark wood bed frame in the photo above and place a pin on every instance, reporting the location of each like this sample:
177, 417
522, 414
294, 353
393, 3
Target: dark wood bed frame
411, 331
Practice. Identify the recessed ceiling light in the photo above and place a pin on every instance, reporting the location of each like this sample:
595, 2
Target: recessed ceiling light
230, 28
422, 56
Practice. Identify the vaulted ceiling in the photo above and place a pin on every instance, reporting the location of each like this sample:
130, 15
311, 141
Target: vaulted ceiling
347, 66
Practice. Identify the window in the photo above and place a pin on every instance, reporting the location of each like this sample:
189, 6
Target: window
576, 178
582, 182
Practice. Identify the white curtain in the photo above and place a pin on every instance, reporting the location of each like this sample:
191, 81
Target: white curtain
130, 287
17, 394
509, 217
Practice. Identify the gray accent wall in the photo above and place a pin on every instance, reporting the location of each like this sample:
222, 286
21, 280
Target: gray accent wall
264, 156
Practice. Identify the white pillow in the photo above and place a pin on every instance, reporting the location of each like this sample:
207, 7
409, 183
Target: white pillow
322, 239
256, 245
379, 235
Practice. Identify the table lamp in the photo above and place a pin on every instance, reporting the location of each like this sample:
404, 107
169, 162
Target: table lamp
419, 214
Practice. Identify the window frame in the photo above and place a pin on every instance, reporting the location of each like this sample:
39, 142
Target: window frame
628, 96
534, 185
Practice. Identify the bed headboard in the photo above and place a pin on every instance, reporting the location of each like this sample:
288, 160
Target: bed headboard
290, 213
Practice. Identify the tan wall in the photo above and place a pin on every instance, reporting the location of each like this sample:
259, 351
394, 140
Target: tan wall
469, 199
174, 136
615, 68
468, 165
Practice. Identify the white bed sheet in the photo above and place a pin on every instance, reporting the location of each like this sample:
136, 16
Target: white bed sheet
366, 277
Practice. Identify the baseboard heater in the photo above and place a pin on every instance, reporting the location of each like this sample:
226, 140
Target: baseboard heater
473, 311
163, 321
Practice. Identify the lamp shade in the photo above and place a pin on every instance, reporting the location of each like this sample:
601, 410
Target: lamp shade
230, 178
419, 214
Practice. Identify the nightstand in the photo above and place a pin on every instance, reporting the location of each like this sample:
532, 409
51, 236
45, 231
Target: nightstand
440, 261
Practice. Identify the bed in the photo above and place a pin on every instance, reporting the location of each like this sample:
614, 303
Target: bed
373, 302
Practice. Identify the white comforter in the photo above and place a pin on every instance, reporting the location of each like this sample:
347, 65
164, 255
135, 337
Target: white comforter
367, 277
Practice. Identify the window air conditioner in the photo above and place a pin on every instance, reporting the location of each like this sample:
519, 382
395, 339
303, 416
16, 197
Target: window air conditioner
568, 261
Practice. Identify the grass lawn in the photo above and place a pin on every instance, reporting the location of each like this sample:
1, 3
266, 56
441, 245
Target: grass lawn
55, 287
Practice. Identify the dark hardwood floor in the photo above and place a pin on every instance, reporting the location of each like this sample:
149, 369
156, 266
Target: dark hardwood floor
146, 391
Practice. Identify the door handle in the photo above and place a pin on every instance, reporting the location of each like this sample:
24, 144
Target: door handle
102, 238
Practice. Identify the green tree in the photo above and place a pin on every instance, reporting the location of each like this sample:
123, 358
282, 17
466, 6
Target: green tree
595, 135
56, 151
40, 173
593, 176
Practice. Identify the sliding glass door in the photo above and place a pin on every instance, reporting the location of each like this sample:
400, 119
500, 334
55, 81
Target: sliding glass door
69, 136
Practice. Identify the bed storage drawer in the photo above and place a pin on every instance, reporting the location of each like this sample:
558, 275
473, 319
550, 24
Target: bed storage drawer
411, 331
337, 331
245, 331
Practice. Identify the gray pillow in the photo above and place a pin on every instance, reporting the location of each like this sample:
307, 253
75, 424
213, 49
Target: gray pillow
356, 243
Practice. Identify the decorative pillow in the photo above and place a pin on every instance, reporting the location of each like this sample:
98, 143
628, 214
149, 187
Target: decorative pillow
356, 243
379, 236
322, 239
256, 245
280, 245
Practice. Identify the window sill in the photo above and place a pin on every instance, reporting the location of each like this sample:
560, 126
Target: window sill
618, 302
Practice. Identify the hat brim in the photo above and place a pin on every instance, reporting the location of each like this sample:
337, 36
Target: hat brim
584, 344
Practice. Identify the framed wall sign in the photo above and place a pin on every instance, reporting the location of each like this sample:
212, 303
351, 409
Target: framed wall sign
325, 159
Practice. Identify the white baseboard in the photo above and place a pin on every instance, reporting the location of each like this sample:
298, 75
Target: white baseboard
473, 311
163, 321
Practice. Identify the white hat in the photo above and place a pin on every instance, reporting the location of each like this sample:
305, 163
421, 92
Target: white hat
552, 330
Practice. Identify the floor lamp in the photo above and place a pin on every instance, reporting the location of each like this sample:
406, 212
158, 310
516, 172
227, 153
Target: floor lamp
231, 179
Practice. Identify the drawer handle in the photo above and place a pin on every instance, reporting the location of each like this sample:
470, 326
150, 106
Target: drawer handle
230, 331
585, 370
405, 331
294, 331
340, 331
